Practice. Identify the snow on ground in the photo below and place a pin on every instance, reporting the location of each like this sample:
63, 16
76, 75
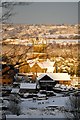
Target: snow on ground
56, 101
35, 108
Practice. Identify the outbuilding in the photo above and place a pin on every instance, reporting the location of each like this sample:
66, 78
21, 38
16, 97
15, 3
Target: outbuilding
47, 81
27, 87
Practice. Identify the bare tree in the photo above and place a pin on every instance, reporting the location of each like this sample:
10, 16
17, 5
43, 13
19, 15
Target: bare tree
7, 13
14, 106
73, 106
7, 9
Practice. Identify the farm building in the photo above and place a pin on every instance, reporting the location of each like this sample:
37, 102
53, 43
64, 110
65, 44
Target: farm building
48, 80
27, 87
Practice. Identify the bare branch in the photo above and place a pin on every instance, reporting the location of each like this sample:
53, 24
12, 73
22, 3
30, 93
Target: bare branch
7, 9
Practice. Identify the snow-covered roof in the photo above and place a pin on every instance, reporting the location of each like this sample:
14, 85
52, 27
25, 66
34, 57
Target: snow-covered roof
50, 62
24, 117
31, 64
15, 90
28, 86
41, 95
45, 64
44, 74
55, 76
15, 117
50, 69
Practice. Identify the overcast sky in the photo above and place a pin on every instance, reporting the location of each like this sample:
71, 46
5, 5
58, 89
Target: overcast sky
46, 13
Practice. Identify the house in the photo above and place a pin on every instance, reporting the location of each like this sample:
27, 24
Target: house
48, 80
24, 68
45, 81
26, 77
62, 78
42, 67
36, 66
27, 87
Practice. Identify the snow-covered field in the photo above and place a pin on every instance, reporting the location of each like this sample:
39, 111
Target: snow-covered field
50, 108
